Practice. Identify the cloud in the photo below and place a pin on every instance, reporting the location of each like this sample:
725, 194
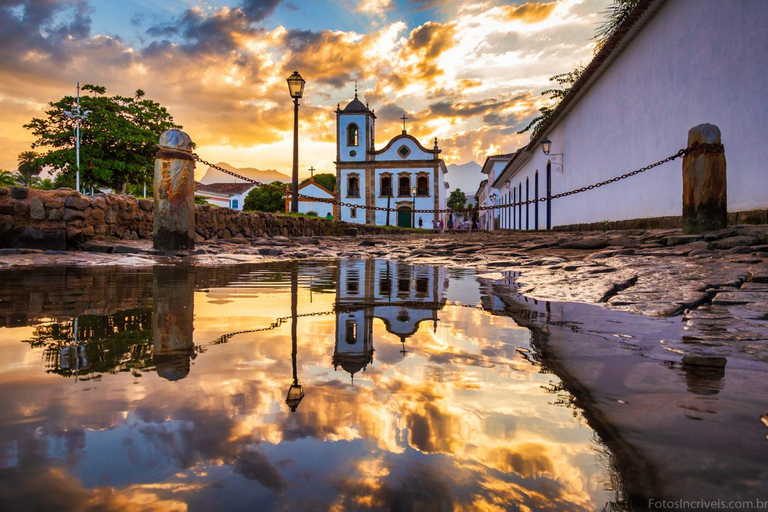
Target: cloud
531, 12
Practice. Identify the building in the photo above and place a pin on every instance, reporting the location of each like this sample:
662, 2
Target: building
670, 66
400, 295
487, 194
309, 206
227, 195
385, 177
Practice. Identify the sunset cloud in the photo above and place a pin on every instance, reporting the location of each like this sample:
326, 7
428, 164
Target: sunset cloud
467, 74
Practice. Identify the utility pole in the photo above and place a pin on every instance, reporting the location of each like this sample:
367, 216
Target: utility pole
78, 117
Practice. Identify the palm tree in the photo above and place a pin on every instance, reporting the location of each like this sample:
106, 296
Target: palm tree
6, 179
29, 167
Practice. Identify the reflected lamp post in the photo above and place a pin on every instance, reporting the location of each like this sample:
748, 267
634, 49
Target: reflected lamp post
389, 199
295, 392
78, 118
296, 89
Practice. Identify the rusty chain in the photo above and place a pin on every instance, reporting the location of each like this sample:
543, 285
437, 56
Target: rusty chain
696, 149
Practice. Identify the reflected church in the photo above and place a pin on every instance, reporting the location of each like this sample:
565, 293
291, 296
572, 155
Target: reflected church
400, 295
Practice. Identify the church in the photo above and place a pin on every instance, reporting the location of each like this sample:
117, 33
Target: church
403, 175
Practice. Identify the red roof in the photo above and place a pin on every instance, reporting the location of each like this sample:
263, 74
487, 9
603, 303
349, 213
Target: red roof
229, 189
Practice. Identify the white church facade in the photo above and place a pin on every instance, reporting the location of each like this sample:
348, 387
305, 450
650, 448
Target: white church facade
403, 175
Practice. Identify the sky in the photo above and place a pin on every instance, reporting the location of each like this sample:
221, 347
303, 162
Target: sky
467, 72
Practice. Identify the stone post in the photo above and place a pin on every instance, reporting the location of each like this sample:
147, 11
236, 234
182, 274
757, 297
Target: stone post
174, 228
705, 195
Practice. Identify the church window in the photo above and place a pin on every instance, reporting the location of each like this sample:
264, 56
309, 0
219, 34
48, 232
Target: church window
353, 186
352, 135
404, 186
353, 283
403, 285
385, 286
422, 186
403, 316
351, 334
403, 151
386, 186
422, 286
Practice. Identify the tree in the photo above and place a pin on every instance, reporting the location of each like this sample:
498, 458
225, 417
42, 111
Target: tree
118, 139
30, 168
324, 179
614, 16
457, 199
7, 179
269, 198
566, 81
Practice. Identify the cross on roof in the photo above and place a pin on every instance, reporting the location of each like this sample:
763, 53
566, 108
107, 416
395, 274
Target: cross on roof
404, 118
312, 172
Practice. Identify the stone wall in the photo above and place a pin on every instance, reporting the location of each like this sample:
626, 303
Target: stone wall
63, 219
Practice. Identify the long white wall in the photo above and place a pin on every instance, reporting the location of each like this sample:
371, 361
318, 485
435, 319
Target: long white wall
695, 61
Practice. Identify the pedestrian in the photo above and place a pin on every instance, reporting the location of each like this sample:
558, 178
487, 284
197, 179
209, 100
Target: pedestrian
450, 223
421, 222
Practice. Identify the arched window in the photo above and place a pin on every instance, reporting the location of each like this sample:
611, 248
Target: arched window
404, 186
422, 186
353, 186
386, 186
352, 135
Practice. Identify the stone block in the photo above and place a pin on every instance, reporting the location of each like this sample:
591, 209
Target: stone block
19, 192
36, 209
110, 217
77, 203
35, 238
146, 204
55, 214
21, 209
3, 191
72, 214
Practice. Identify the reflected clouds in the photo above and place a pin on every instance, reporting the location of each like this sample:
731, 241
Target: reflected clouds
458, 421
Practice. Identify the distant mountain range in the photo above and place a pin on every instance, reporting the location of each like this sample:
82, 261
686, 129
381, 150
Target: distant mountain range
212, 175
466, 177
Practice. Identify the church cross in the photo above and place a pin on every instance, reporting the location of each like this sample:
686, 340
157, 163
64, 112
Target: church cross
404, 120
312, 172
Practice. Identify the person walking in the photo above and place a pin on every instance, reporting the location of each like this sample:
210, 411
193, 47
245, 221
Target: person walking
450, 223
421, 222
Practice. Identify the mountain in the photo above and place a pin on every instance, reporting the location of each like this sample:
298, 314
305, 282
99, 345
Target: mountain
212, 175
466, 177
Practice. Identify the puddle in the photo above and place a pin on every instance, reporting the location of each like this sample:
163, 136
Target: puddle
351, 385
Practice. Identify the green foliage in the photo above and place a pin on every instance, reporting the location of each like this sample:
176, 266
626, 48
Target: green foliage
457, 199
566, 81
325, 179
46, 184
118, 139
614, 16
201, 200
7, 179
266, 199
114, 343
30, 167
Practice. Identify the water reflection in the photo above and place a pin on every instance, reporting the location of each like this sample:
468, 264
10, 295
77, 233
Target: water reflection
191, 387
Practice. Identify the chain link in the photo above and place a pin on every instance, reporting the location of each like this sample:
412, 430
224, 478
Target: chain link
696, 148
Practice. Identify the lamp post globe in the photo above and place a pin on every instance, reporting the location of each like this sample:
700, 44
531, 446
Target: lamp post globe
546, 145
296, 90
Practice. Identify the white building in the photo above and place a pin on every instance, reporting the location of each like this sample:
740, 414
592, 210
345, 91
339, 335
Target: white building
369, 177
487, 195
312, 189
227, 195
671, 66
402, 296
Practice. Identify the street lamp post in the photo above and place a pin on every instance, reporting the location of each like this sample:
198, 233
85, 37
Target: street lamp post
413, 208
78, 117
296, 89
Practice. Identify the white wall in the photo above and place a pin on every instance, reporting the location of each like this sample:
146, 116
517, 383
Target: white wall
695, 61
415, 154
305, 206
